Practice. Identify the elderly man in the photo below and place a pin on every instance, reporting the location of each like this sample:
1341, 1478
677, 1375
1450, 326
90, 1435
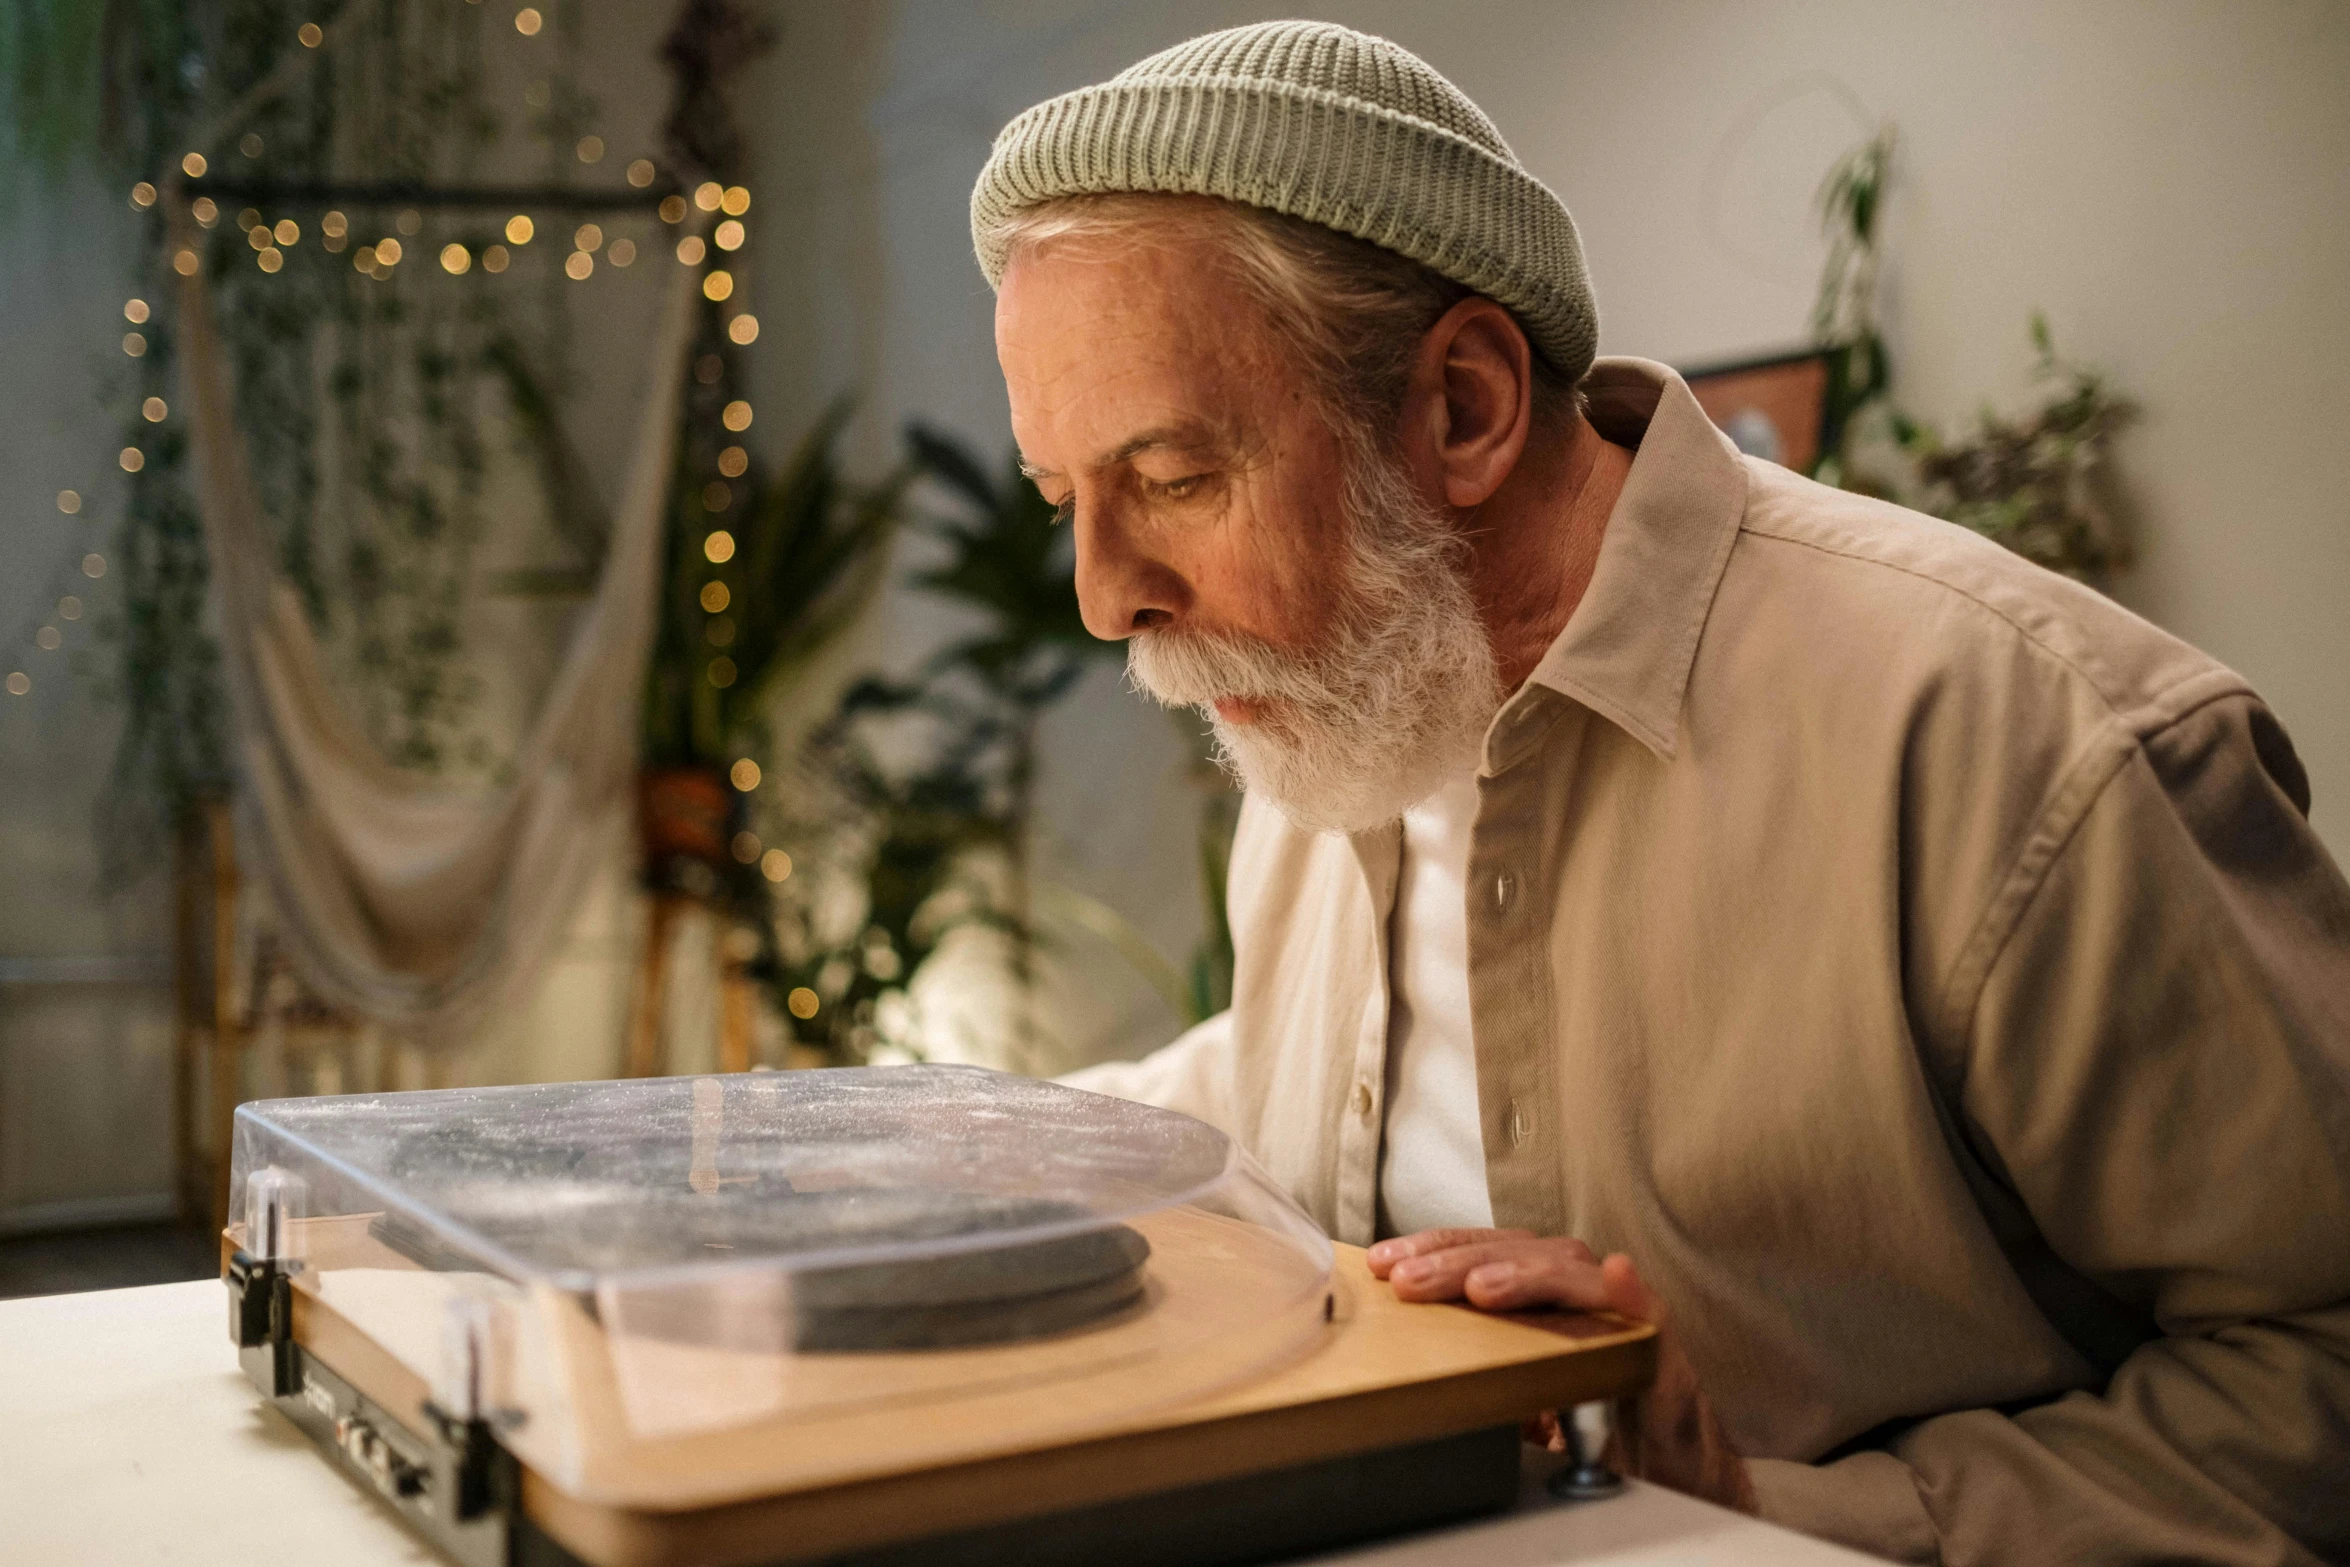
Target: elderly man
1672, 885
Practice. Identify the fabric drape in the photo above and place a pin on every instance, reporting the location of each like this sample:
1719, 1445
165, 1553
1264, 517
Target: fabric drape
420, 904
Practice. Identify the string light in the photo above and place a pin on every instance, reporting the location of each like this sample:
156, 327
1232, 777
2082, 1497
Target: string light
640, 173
250, 144
155, 410
708, 195
718, 548
142, 194
93, 566
722, 672
527, 21
287, 231
409, 222
69, 501
258, 237
48, 639
736, 201
673, 209
717, 495
715, 596
732, 462
803, 1003
69, 608
206, 210
185, 264
775, 865
718, 285
728, 235
134, 343
311, 34
691, 250
19, 682
193, 165
247, 218
388, 252
364, 258
746, 848
493, 259
621, 252
456, 260
578, 265
132, 459
134, 310
743, 329
270, 259
590, 149
519, 229
588, 237
744, 774
737, 416
334, 225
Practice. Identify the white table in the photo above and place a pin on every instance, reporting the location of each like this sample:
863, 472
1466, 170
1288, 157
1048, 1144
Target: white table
128, 1435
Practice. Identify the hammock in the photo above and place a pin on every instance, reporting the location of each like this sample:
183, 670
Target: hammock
424, 906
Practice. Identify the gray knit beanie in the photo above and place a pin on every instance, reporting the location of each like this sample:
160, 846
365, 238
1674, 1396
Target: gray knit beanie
1322, 123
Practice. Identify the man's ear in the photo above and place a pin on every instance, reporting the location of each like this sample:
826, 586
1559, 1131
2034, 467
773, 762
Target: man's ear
1469, 403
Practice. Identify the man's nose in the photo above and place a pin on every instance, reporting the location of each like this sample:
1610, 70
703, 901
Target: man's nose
1121, 587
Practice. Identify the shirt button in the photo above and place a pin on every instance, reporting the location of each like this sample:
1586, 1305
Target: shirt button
1362, 1098
1505, 887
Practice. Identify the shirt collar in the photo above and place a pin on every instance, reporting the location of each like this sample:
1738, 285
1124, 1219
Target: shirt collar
1626, 651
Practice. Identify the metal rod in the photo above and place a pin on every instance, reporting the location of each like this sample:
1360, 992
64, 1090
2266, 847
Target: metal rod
388, 193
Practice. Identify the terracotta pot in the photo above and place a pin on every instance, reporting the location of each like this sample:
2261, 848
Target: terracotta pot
685, 816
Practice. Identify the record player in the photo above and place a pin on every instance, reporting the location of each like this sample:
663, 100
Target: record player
875, 1315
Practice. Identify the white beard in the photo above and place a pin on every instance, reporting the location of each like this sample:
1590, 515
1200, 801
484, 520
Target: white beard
1355, 732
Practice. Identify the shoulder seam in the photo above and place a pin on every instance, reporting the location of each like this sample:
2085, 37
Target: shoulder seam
2083, 784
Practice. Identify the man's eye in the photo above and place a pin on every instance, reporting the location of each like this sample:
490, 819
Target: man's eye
1180, 489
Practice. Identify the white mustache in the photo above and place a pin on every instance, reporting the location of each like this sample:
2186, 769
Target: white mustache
1196, 669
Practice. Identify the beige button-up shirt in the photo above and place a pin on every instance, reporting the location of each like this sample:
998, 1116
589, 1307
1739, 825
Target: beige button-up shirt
1925, 969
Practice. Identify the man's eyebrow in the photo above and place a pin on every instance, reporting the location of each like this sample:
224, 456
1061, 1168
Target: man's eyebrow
1177, 437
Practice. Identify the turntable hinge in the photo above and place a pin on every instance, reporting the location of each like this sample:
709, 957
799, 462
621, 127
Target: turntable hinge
484, 1475
261, 1321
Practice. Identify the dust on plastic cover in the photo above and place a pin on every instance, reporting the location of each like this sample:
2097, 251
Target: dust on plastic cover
622, 1273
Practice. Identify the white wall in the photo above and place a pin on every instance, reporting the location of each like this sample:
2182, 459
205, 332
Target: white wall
2171, 183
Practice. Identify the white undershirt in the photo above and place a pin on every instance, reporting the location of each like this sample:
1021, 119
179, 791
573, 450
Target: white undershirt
1432, 1166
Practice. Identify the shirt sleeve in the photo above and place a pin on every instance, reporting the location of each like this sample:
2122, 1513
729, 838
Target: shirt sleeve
2156, 1068
1193, 1074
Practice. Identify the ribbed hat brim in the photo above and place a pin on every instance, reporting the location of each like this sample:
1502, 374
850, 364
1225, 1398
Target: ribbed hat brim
1395, 180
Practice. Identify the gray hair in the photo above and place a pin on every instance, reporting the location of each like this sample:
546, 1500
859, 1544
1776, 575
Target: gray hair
1351, 313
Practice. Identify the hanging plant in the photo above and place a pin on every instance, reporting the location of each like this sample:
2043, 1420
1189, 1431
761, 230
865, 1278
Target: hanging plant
368, 365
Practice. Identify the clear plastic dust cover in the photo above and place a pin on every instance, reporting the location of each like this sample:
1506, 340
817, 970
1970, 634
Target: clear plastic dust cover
659, 1288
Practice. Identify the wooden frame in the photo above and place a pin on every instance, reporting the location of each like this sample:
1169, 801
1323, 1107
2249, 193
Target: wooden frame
1773, 407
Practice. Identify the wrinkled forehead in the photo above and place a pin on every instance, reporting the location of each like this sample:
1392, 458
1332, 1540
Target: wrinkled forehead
1100, 340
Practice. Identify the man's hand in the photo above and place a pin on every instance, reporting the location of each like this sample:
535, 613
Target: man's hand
1668, 1434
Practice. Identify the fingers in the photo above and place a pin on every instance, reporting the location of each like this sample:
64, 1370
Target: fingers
1561, 1274
1387, 1254
1445, 1274
1627, 1294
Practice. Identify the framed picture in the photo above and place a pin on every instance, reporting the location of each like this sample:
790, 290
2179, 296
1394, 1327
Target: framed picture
1770, 408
